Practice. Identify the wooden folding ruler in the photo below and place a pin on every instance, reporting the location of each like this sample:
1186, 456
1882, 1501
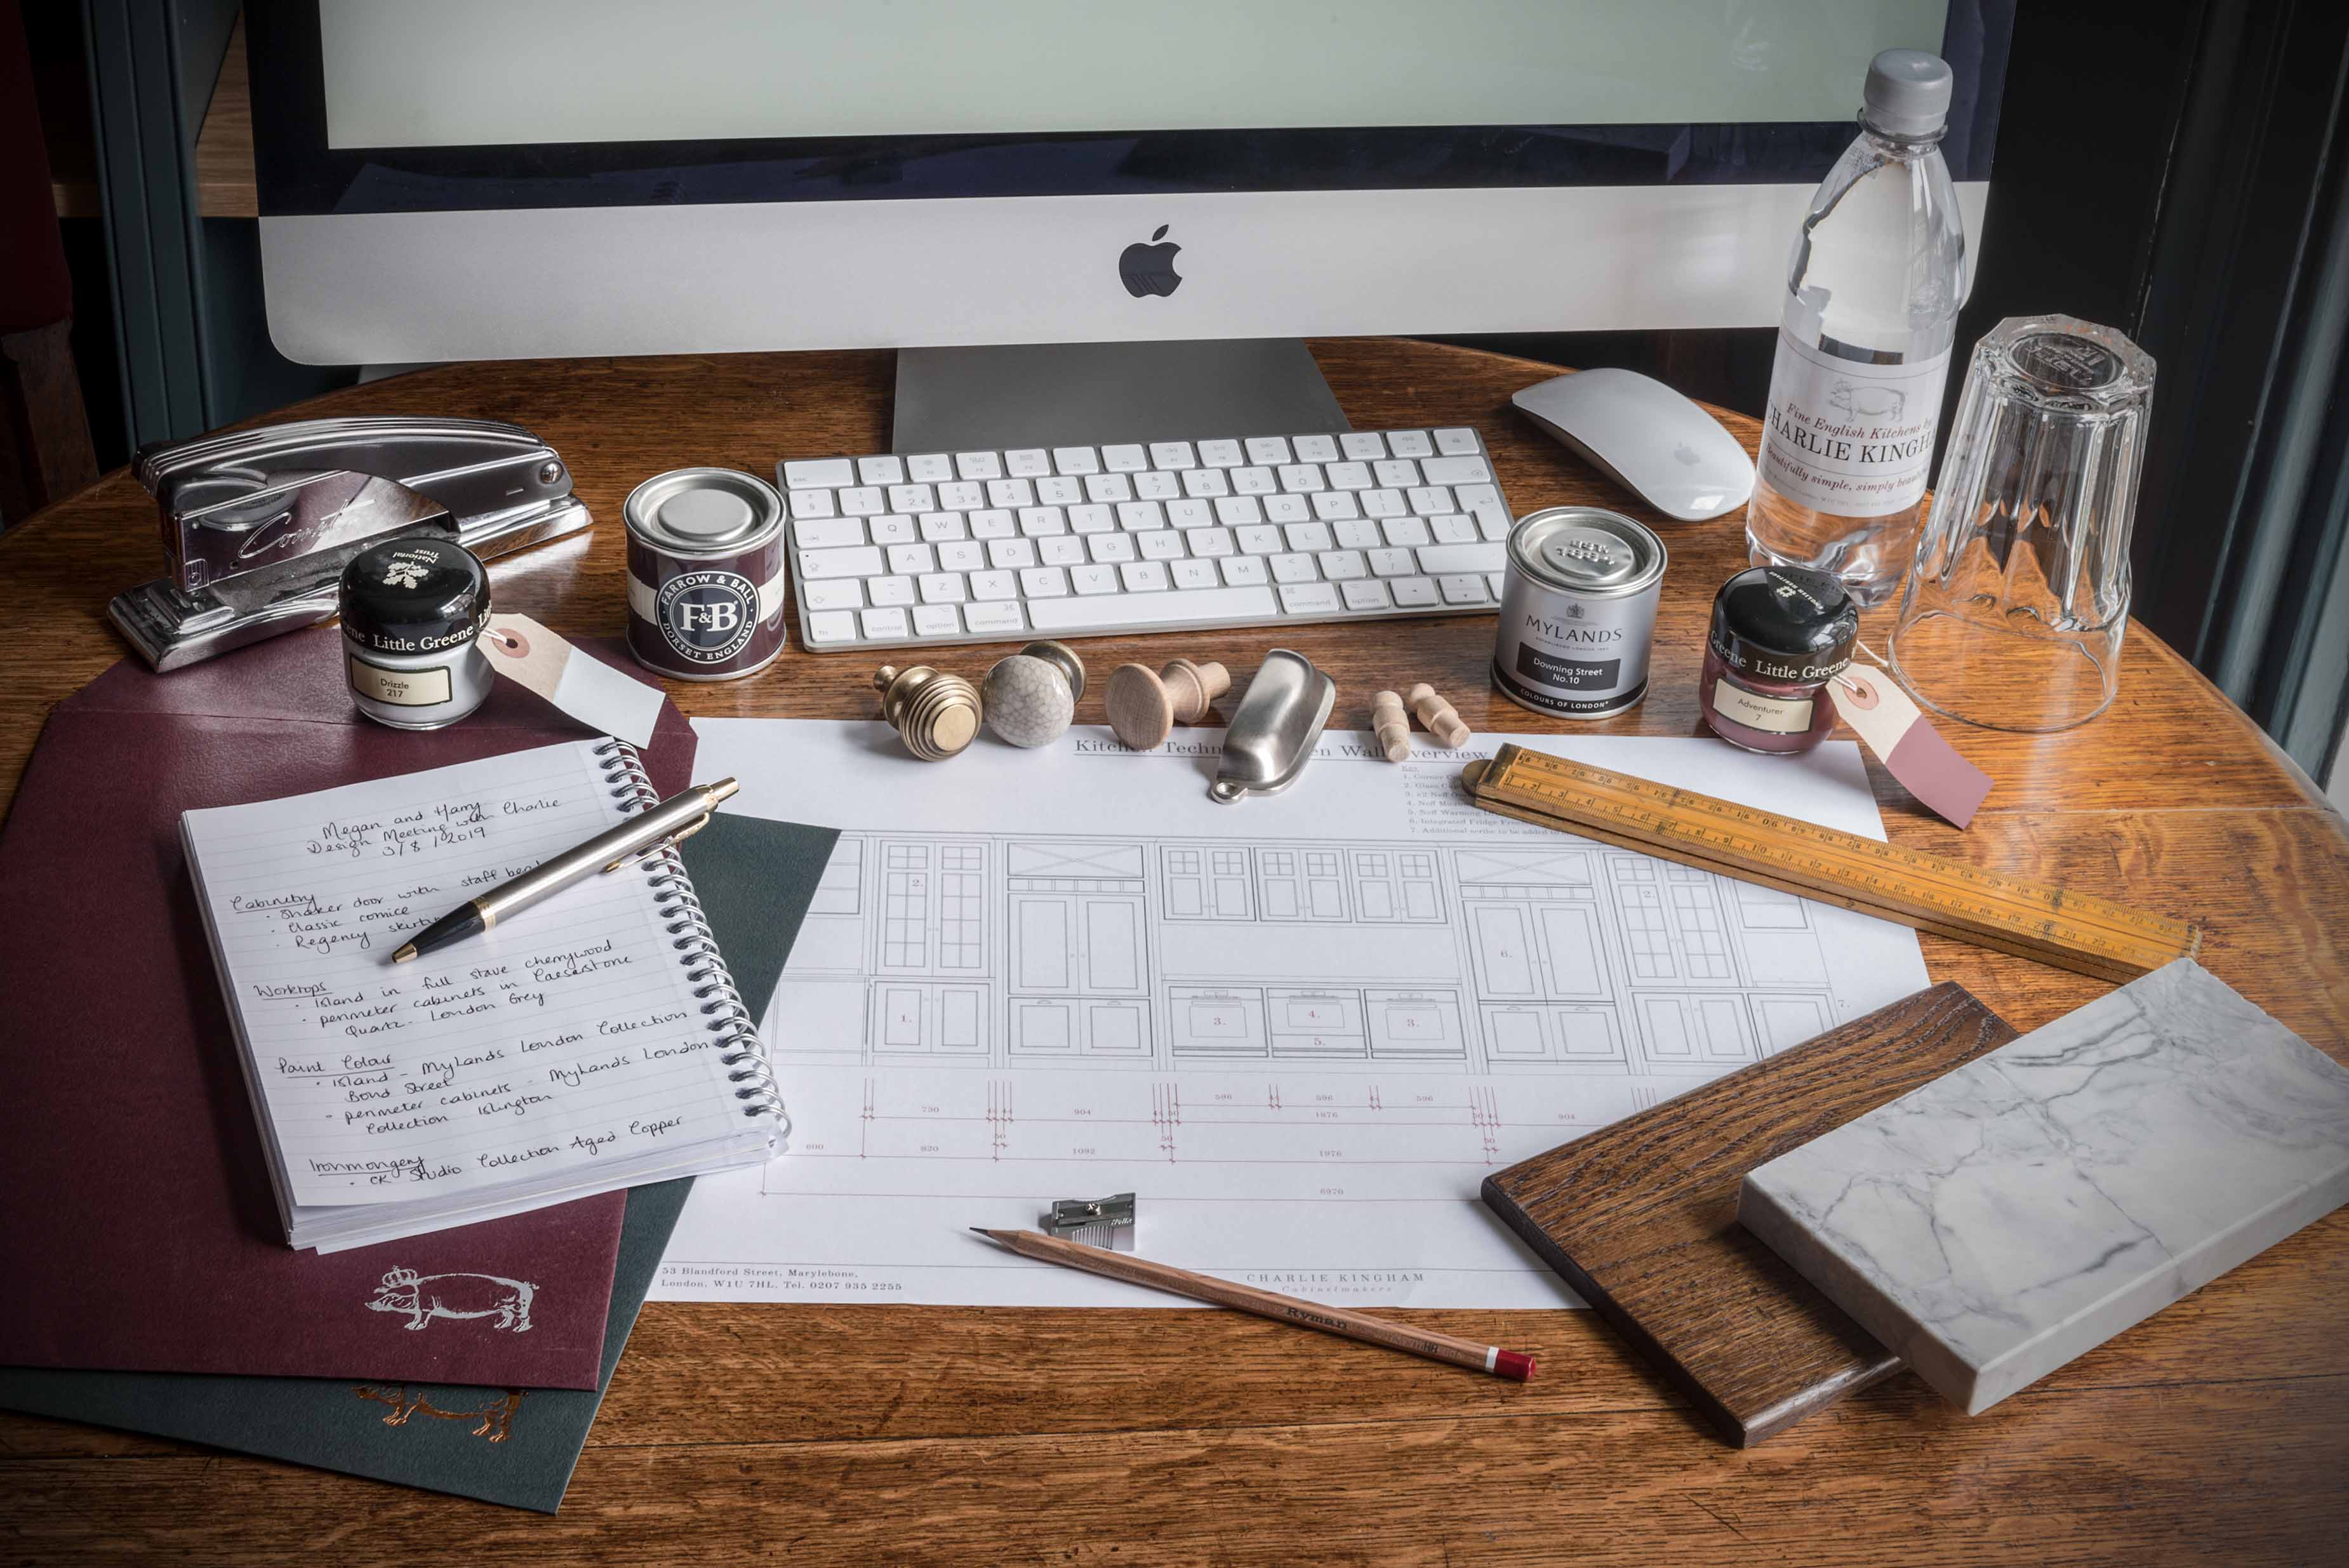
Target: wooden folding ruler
2051, 925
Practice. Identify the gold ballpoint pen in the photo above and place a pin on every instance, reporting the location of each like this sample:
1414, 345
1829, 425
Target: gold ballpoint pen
674, 820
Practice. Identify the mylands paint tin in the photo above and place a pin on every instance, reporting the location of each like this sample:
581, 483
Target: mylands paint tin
706, 569
1577, 612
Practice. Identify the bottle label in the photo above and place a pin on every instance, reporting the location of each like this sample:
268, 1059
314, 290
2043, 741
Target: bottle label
1777, 715
1853, 440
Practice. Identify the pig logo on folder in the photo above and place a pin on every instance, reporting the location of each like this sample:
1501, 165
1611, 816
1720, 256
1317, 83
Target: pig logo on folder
427, 1297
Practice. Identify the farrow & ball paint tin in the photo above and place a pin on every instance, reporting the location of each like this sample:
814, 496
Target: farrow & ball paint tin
706, 573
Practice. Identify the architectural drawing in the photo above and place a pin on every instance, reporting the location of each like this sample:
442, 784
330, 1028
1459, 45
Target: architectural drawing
1296, 1027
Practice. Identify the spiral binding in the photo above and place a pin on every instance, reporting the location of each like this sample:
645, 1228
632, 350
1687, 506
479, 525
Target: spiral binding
746, 1055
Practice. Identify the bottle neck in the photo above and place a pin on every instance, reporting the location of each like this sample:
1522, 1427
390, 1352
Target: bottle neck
1900, 149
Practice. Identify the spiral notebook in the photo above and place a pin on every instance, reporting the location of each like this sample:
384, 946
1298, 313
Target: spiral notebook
593, 1042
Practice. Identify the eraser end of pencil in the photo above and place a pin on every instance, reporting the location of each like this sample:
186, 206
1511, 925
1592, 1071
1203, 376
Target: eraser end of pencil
405, 954
1511, 1365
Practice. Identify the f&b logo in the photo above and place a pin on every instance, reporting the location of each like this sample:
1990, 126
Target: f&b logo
708, 617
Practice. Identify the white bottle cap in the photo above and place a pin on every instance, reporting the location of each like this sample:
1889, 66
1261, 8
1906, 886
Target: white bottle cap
1908, 93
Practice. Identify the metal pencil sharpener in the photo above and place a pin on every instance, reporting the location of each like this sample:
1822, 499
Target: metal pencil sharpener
1103, 1223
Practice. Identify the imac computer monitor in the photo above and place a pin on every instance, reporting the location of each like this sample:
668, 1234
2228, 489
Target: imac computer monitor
493, 178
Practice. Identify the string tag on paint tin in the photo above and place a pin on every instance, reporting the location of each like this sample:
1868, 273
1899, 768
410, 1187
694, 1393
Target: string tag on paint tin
1911, 749
581, 684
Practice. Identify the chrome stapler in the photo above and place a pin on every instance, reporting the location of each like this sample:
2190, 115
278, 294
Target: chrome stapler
258, 526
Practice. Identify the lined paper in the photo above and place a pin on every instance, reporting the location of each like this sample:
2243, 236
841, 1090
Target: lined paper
570, 1036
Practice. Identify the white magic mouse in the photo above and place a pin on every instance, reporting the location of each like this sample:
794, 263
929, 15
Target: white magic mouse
1647, 438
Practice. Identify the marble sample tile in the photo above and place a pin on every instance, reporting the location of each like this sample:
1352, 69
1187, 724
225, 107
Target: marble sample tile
2001, 1220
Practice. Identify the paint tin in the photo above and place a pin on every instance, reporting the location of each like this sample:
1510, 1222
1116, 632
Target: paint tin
1577, 612
705, 573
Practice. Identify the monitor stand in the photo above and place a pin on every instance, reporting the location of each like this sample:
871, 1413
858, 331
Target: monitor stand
1088, 394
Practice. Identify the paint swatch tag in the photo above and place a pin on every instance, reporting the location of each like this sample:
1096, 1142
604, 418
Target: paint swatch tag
1912, 750
581, 684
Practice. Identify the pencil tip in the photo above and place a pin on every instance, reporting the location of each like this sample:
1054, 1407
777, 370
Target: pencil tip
405, 954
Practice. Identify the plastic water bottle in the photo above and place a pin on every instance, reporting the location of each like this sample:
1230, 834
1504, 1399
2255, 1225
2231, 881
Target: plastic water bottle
1872, 294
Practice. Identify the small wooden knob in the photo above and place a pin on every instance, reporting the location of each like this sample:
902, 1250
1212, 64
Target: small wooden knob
1441, 719
1145, 705
1194, 689
935, 713
1392, 725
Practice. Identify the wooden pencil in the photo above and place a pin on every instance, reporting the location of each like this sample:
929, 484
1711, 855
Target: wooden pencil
1263, 1303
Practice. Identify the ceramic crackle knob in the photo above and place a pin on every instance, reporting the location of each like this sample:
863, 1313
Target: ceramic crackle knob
1032, 696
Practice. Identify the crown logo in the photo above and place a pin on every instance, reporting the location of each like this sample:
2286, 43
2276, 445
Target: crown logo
1574, 610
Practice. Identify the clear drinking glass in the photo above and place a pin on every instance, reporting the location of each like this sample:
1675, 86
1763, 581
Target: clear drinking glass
2012, 614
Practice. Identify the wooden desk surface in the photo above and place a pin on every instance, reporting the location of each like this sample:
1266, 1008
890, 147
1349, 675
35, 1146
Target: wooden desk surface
2217, 1431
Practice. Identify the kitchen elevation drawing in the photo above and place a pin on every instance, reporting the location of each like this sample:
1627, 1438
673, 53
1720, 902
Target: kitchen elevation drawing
1302, 1029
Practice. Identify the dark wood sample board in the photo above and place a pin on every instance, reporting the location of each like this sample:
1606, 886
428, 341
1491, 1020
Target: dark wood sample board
1641, 1217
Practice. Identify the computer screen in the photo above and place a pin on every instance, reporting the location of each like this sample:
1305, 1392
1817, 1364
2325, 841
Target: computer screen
471, 178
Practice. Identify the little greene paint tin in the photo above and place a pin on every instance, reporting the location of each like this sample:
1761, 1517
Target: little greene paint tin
706, 569
413, 610
1577, 612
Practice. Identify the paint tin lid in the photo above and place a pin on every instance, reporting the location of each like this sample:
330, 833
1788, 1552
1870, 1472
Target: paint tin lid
698, 513
1588, 551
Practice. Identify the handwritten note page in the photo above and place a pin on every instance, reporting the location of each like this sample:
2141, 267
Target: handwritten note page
568, 1037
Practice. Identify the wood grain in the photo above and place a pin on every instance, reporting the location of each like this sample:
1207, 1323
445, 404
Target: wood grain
2217, 1431
1639, 1217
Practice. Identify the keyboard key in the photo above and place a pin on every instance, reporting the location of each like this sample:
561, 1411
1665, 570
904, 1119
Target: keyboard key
1338, 565
1036, 521
1383, 503
1010, 493
1331, 505
930, 467
1315, 448
1254, 482
1060, 491
1455, 471
1157, 486
994, 585
1395, 473
1471, 497
937, 621
1010, 555
813, 503
1308, 598
1077, 460
1309, 536
1363, 445
1113, 547
881, 471
1439, 559
833, 594
942, 588
1124, 459
893, 529
940, 526
861, 561
1413, 593
1221, 454
1264, 540
1366, 594
1205, 483
992, 523
1350, 476
1296, 478
1409, 444
1060, 550
1406, 531
963, 555
979, 464
831, 626
819, 473
1357, 533
994, 618
1171, 455
1461, 590
1027, 463
1266, 450
1454, 530
1295, 569
961, 495
862, 500
1238, 510
1494, 580
911, 560
1287, 509
1091, 517
886, 623
1429, 499
1044, 582
912, 498
1243, 571
1108, 488
1494, 522
1394, 563
889, 590
1194, 574
1131, 610
1455, 443
1162, 545
1144, 577
1210, 541
1133, 516
827, 532
1092, 580
1189, 514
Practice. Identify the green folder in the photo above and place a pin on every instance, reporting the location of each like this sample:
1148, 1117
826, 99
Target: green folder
516, 1446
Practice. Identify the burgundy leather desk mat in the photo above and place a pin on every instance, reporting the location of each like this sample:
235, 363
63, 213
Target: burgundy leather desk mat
136, 1214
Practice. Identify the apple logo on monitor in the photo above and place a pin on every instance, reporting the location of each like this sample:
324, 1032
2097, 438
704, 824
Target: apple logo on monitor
1149, 269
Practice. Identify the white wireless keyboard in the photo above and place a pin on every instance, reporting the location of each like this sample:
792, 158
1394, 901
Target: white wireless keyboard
975, 547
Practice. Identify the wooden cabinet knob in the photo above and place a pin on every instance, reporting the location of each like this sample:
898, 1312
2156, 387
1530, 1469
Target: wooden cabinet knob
1441, 719
1145, 705
1392, 725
